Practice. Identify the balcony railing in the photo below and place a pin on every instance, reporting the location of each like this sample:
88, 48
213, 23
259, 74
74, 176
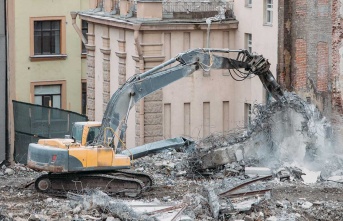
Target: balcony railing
184, 8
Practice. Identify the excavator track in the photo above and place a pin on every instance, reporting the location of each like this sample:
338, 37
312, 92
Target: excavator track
148, 180
59, 184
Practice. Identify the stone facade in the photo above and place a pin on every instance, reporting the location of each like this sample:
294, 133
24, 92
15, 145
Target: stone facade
90, 73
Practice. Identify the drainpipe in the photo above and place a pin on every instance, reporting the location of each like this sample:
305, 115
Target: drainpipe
141, 70
77, 29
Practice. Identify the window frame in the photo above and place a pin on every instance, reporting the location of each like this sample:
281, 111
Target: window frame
247, 114
62, 83
83, 81
62, 54
248, 3
268, 11
50, 95
83, 46
248, 42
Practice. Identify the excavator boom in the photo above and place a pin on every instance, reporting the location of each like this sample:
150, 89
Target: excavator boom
141, 85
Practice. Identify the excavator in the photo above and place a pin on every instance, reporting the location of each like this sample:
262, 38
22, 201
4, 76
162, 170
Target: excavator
90, 160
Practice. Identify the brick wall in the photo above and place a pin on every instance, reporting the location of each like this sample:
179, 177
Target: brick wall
305, 52
300, 77
322, 66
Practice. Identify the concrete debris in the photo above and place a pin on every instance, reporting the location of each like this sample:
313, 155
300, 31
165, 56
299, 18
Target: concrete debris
116, 208
338, 179
9, 171
213, 201
216, 180
218, 157
306, 205
258, 171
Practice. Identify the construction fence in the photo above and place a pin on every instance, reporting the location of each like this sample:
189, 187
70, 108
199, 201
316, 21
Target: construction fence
33, 122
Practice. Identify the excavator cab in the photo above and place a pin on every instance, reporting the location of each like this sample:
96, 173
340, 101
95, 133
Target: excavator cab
85, 132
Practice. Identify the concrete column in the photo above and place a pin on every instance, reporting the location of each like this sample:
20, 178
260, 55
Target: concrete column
106, 51
121, 53
91, 72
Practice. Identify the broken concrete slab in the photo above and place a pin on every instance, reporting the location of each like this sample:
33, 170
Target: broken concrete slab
306, 205
218, 157
259, 171
213, 201
9, 171
338, 179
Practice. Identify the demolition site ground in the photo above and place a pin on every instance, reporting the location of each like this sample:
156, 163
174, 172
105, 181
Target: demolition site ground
288, 200
286, 166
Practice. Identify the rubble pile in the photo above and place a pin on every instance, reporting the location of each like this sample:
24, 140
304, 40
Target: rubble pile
286, 166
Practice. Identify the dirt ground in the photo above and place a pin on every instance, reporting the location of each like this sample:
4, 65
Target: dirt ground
290, 200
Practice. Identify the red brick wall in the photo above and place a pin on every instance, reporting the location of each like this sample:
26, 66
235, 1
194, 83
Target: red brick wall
323, 2
322, 66
301, 64
301, 7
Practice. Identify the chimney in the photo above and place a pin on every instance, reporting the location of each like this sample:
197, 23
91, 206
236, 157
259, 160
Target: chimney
150, 9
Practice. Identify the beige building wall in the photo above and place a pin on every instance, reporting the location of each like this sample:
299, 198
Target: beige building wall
195, 106
252, 21
27, 70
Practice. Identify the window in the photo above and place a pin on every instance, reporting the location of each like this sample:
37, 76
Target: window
84, 32
84, 97
247, 114
248, 42
47, 37
48, 95
248, 3
268, 17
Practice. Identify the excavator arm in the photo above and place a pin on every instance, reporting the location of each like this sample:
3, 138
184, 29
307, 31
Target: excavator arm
141, 85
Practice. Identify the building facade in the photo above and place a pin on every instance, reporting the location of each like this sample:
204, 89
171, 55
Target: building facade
3, 81
130, 37
46, 63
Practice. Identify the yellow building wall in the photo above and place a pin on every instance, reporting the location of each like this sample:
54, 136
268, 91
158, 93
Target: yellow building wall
71, 69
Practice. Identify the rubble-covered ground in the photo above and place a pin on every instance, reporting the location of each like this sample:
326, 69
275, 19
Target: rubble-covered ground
287, 166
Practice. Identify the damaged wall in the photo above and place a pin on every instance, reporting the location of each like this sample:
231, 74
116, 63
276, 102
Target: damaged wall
307, 50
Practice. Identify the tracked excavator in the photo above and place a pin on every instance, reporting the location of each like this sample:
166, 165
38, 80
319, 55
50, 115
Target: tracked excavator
72, 165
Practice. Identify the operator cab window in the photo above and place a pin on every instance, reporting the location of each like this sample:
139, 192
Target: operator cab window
93, 133
77, 132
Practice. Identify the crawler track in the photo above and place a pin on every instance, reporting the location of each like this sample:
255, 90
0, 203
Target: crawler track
119, 182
